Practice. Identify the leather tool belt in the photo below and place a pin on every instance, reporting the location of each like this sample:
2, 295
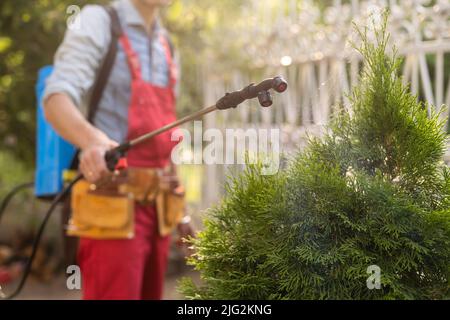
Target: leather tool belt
106, 210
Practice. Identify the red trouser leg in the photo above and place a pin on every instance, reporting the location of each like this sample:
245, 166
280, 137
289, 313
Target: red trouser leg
155, 268
126, 269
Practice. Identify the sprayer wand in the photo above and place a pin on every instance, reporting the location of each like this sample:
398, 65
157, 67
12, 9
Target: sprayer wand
230, 100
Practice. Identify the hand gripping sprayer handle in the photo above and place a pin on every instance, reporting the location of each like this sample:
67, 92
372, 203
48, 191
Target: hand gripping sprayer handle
230, 100
113, 156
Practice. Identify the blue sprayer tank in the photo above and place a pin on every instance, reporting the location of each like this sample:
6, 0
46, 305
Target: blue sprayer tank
53, 153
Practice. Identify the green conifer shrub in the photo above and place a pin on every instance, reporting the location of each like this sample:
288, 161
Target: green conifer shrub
372, 191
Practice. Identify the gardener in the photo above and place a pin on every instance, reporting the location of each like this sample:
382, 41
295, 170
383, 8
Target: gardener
138, 97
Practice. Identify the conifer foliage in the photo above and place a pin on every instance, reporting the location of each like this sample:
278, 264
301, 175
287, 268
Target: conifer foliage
372, 192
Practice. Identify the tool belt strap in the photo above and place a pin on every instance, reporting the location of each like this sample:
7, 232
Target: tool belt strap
143, 184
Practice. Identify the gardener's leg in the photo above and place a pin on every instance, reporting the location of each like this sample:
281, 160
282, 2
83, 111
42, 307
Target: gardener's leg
156, 264
113, 269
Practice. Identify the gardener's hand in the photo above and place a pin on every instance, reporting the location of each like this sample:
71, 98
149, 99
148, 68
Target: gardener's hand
92, 159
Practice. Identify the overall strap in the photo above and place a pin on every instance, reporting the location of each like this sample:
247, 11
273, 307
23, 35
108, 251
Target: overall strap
173, 75
104, 72
108, 63
132, 57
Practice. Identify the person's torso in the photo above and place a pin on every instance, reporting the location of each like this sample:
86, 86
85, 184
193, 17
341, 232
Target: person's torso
112, 113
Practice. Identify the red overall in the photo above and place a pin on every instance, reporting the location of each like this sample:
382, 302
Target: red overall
134, 269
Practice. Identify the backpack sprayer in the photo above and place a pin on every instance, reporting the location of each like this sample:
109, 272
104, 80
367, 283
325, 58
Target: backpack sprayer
113, 157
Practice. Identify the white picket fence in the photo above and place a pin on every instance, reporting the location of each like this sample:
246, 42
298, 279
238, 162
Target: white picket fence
310, 47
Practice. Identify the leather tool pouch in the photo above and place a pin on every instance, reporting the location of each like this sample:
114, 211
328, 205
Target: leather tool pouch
108, 211
101, 215
150, 187
170, 206
142, 183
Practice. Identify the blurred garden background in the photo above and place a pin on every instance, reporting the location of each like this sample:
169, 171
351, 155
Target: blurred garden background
223, 45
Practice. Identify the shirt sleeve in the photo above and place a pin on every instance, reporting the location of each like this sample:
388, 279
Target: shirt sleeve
80, 55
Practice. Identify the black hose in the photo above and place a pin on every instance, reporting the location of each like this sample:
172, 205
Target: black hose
37, 240
11, 195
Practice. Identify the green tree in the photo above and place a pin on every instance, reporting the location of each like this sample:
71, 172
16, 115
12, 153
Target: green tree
373, 191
